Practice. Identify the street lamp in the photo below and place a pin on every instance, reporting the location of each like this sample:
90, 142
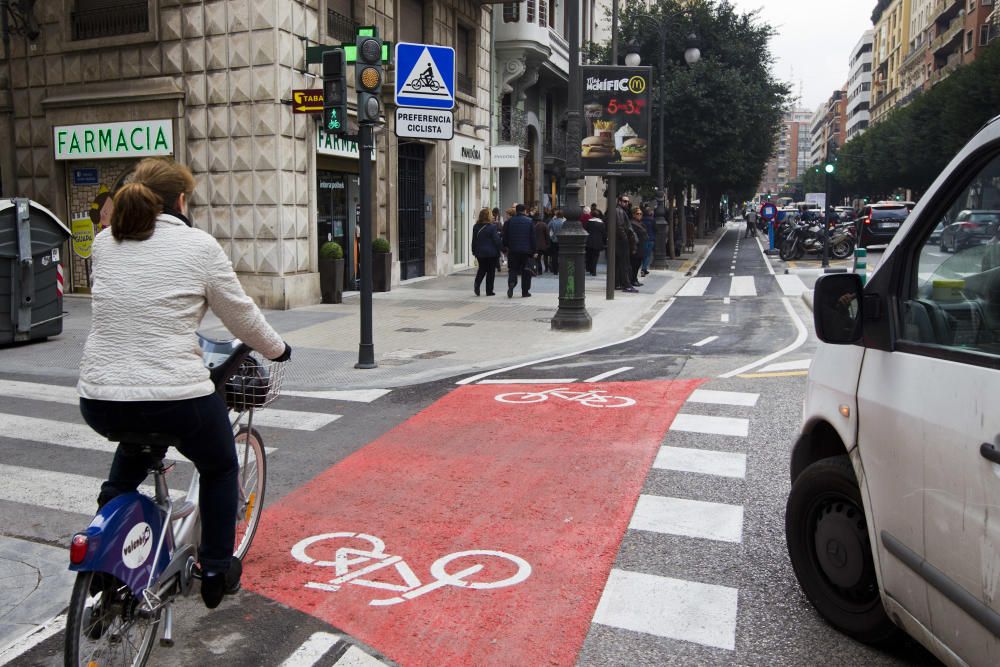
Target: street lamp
664, 233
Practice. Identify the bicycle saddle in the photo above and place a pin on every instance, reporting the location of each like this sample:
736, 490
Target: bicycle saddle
146, 443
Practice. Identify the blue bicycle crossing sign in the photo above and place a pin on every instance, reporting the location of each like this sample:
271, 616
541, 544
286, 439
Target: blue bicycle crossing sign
425, 76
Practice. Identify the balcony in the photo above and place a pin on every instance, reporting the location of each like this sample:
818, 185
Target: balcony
341, 27
946, 10
530, 34
945, 41
107, 21
555, 145
513, 127
915, 57
941, 73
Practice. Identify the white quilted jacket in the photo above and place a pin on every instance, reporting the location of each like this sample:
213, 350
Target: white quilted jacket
149, 298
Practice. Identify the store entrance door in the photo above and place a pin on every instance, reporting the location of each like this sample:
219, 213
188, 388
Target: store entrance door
459, 216
334, 217
411, 211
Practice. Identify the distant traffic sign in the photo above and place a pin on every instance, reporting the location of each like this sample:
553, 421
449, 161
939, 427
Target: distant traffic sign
424, 123
768, 211
425, 76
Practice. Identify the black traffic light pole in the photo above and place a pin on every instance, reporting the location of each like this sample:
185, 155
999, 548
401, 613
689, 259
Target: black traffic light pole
366, 349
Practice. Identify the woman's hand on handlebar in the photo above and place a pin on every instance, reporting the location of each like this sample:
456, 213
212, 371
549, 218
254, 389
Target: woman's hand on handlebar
286, 355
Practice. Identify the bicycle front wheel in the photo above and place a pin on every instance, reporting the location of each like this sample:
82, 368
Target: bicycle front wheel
252, 482
107, 626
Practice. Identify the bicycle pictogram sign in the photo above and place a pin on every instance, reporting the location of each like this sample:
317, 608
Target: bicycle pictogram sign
593, 398
354, 562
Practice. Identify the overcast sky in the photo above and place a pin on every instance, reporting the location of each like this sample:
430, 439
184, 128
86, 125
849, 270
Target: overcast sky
812, 41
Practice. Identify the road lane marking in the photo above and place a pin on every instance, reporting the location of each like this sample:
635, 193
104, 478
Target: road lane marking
607, 374
705, 461
685, 610
742, 286
797, 343
695, 286
724, 317
726, 301
709, 424
32, 638
791, 285
688, 518
312, 650
767, 262
705, 341
352, 395
799, 365
355, 657
293, 419
723, 397
530, 381
773, 375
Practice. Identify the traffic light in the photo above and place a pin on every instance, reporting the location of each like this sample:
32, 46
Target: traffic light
829, 168
334, 92
368, 75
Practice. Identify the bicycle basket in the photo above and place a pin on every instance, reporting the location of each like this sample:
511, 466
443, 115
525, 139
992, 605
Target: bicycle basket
255, 384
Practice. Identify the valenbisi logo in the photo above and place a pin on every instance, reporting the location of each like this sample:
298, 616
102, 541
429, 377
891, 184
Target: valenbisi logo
138, 543
635, 84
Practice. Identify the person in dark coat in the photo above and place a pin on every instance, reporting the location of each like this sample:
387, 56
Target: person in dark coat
486, 246
649, 223
635, 259
519, 244
555, 227
625, 244
542, 244
597, 239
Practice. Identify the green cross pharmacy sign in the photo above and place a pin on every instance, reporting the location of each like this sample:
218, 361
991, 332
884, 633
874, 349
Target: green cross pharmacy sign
114, 140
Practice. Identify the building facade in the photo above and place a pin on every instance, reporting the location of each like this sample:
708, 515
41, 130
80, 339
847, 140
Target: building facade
211, 84
791, 156
859, 86
889, 48
828, 127
916, 67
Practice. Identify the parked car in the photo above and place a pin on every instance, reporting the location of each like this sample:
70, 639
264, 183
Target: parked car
970, 228
846, 213
892, 521
878, 223
935, 236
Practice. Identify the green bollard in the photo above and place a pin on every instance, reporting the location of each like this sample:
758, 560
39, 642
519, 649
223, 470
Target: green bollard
861, 263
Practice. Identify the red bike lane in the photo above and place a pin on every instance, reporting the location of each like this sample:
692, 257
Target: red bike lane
540, 493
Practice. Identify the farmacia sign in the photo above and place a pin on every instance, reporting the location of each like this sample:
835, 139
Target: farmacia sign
114, 140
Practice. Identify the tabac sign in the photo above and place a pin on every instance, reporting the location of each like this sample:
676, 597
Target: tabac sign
617, 120
141, 138
307, 100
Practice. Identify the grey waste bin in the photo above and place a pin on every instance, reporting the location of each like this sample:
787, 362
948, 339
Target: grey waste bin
31, 239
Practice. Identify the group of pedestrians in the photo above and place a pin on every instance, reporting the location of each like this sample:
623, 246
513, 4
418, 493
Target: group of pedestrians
531, 247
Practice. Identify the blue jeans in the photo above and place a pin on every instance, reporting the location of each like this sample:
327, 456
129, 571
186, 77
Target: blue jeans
647, 255
206, 436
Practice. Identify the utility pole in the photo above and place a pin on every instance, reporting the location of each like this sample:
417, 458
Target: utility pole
611, 191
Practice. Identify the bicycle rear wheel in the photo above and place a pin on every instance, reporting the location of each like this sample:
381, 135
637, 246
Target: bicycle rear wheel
107, 627
252, 483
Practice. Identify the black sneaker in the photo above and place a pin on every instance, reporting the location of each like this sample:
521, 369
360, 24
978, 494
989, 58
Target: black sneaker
215, 585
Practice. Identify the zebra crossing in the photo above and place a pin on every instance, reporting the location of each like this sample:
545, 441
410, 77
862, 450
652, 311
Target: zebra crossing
673, 608
742, 286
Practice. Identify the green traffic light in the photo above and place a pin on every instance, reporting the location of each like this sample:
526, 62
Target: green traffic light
829, 168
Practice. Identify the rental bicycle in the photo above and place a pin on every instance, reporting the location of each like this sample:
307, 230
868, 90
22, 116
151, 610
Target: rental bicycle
138, 555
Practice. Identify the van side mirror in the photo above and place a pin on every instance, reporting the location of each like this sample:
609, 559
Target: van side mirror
837, 302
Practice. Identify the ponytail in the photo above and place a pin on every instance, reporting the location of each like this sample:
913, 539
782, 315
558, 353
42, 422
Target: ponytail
135, 211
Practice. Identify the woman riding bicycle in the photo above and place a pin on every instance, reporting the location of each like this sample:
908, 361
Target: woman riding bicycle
154, 278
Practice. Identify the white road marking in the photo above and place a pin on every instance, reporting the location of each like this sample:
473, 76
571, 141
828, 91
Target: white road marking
53, 393
791, 284
742, 286
293, 419
726, 301
709, 424
61, 491
723, 397
797, 343
695, 286
705, 341
530, 381
607, 374
355, 657
763, 254
32, 638
705, 461
65, 434
690, 518
312, 650
724, 317
353, 395
649, 325
686, 610
732, 275
800, 365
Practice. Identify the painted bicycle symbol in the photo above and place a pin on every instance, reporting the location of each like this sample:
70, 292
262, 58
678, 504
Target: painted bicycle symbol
354, 563
594, 398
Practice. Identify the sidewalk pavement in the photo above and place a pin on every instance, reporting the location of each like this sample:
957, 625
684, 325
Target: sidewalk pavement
424, 330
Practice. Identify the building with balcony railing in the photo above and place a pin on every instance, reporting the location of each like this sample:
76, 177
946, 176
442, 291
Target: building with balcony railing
890, 48
859, 85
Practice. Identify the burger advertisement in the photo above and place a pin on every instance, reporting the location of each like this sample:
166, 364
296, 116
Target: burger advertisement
617, 120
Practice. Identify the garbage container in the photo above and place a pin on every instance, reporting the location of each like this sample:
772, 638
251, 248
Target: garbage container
31, 290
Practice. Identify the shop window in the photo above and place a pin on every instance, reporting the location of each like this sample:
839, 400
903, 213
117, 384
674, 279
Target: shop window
95, 19
511, 12
340, 23
465, 60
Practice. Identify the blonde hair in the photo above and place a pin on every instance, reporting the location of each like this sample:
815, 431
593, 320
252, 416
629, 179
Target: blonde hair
485, 215
156, 183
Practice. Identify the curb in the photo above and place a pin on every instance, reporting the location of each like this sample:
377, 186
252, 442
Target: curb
807, 298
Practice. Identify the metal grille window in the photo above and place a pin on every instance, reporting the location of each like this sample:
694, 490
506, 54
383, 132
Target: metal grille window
532, 10
465, 60
511, 12
339, 24
92, 19
543, 13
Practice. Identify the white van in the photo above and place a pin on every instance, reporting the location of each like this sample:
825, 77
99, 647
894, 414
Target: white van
893, 520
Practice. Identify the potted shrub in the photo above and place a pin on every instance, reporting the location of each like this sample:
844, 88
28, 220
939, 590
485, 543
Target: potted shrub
381, 265
331, 272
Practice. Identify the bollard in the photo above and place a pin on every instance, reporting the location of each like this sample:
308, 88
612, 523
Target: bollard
861, 263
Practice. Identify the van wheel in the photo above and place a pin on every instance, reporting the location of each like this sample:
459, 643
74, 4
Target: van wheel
831, 554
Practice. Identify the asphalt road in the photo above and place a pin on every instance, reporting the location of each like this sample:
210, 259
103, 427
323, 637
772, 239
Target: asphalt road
735, 330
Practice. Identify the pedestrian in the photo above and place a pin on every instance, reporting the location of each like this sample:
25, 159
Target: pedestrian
542, 243
649, 224
486, 246
555, 226
636, 258
139, 373
519, 244
586, 214
597, 240
751, 219
625, 244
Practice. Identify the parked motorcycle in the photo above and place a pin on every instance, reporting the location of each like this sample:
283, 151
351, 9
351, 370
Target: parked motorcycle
807, 238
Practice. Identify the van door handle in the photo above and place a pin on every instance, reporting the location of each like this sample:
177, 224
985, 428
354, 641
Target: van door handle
989, 451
